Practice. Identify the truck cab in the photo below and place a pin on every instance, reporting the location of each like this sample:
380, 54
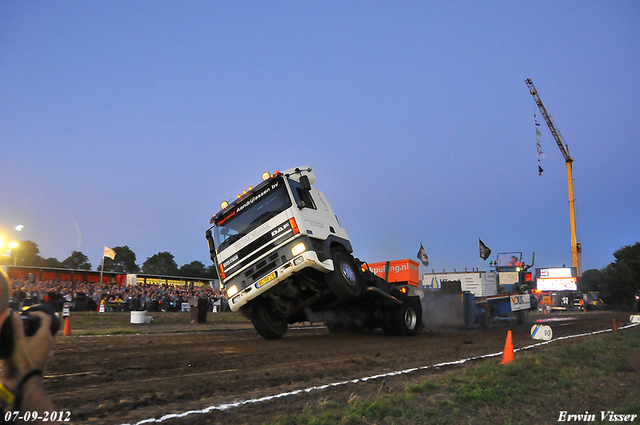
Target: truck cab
283, 257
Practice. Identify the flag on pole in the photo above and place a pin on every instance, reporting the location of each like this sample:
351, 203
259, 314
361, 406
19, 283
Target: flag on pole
539, 146
485, 252
422, 256
108, 252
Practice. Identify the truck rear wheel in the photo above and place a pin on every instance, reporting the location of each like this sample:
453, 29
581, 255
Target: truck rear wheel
344, 280
407, 318
268, 323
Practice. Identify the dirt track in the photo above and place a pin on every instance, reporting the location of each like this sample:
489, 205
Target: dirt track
128, 378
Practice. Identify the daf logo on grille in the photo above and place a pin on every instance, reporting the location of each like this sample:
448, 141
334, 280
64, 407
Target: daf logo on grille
280, 229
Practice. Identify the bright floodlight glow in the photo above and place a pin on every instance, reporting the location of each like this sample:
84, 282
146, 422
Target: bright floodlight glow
13, 245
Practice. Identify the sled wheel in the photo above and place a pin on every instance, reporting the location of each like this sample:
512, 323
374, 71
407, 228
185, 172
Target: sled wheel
522, 316
485, 320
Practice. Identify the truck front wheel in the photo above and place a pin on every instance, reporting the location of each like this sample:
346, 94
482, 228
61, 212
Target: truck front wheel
267, 321
344, 280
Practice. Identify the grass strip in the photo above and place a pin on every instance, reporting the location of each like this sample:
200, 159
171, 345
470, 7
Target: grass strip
600, 373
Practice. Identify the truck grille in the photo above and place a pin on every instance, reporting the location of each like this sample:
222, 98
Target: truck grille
256, 249
261, 267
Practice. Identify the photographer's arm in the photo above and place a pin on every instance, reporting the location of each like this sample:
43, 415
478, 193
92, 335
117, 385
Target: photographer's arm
29, 355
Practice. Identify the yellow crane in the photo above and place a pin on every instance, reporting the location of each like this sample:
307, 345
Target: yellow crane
576, 248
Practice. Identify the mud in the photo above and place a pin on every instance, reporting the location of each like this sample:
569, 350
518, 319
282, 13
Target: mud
119, 379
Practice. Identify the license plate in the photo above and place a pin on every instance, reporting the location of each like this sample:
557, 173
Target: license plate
266, 279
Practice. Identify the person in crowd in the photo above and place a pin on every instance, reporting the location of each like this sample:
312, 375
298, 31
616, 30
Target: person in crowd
87, 296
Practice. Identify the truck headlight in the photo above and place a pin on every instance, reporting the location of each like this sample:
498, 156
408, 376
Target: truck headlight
232, 291
298, 249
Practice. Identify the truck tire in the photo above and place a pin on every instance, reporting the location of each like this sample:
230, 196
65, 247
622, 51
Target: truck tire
407, 319
268, 323
344, 280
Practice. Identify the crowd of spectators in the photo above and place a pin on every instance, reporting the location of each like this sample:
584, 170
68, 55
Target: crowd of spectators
84, 296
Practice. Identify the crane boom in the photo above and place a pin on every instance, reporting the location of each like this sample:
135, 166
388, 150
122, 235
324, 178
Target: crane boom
556, 134
576, 248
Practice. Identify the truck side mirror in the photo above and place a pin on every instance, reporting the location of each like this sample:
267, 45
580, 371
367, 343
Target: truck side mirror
304, 183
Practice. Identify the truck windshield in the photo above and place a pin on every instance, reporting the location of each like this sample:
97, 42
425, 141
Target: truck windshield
251, 212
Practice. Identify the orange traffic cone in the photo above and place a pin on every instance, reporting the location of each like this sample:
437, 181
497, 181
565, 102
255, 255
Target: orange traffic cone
507, 354
67, 327
615, 327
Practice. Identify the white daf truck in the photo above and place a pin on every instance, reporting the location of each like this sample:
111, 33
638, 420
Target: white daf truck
282, 257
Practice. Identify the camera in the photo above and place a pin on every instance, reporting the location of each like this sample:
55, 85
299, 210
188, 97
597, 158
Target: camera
31, 325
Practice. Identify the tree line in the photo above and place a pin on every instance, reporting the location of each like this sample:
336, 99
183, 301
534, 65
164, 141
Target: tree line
619, 281
162, 263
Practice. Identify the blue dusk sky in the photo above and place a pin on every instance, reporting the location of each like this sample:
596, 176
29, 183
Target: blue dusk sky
128, 122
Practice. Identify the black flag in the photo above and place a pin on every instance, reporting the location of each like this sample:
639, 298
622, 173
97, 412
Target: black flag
485, 252
422, 256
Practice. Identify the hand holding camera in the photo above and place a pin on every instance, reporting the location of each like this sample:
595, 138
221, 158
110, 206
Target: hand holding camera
27, 344
26, 347
31, 321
